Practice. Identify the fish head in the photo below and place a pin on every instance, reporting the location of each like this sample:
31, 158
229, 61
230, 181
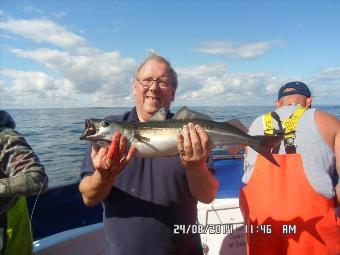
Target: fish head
100, 131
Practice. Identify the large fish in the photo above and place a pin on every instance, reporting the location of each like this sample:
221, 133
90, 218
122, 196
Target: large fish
158, 136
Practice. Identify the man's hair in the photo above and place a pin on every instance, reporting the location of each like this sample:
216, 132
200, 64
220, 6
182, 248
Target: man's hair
156, 57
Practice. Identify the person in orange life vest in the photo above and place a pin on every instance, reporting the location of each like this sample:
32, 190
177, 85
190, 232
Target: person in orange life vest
291, 209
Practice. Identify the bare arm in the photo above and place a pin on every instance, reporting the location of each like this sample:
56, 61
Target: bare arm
194, 149
329, 128
107, 163
337, 158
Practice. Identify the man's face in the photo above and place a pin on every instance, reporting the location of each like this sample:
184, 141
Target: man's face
150, 99
293, 100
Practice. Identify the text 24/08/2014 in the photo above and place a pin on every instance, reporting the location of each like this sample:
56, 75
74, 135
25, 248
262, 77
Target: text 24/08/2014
229, 228
204, 229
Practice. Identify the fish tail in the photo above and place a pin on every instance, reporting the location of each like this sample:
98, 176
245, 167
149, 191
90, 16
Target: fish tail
265, 144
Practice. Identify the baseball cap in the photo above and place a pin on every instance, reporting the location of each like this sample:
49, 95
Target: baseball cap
299, 88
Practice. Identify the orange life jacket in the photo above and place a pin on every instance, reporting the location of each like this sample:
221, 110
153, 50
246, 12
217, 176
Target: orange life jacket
284, 215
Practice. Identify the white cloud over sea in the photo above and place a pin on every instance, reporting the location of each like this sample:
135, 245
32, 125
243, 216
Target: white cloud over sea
75, 73
237, 50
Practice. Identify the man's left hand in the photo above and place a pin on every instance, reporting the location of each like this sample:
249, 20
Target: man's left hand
193, 146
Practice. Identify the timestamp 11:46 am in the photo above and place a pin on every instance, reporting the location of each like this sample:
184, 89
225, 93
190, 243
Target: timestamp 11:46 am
230, 228
267, 229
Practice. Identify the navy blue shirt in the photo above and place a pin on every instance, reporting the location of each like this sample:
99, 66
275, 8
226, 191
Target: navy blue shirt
148, 198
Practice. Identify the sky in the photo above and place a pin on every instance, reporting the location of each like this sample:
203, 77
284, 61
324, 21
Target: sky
84, 53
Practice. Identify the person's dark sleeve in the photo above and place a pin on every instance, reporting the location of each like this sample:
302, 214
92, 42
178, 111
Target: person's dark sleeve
22, 173
87, 166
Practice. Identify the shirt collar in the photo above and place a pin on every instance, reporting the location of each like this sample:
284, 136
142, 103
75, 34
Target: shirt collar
133, 117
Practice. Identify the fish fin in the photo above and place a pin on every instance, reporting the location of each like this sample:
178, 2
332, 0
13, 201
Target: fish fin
237, 123
103, 143
160, 115
265, 145
186, 114
142, 139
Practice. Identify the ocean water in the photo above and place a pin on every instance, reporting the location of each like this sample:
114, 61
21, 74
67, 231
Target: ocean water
54, 133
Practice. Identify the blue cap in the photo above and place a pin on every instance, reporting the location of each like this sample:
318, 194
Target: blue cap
299, 88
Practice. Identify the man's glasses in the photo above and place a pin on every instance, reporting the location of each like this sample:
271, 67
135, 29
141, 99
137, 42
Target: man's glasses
147, 82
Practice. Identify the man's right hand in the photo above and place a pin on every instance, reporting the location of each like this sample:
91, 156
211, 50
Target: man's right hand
107, 163
110, 162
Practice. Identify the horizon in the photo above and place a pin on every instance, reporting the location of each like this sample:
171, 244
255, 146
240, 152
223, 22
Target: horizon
171, 107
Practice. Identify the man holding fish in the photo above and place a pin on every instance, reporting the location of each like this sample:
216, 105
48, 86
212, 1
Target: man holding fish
144, 197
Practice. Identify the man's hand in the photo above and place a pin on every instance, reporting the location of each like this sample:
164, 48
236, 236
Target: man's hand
107, 163
193, 146
112, 161
194, 150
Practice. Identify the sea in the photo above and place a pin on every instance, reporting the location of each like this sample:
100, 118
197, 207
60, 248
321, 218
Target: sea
54, 133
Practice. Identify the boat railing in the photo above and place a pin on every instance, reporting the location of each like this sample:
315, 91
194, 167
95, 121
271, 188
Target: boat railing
221, 152
215, 210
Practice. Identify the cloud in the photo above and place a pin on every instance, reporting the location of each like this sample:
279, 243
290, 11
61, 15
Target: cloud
213, 85
89, 72
58, 15
6, 36
192, 77
78, 74
325, 86
43, 30
115, 26
95, 76
237, 50
29, 81
31, 9
2, 13
332, 74
32, 88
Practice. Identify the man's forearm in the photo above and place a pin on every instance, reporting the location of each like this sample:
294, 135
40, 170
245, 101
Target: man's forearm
95, 188
202, 183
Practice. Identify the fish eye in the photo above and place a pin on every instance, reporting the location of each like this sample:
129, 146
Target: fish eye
105, 123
